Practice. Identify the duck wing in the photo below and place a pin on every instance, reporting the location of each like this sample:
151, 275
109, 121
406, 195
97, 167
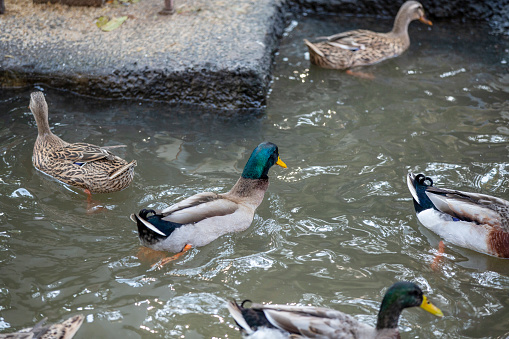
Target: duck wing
355, 40
315, 321
480, 208
199, 207
82, 152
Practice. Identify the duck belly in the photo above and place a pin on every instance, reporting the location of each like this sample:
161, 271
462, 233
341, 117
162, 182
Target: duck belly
205, 231
461, 233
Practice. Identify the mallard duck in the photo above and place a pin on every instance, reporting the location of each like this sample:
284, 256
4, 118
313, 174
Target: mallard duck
202, 218
362, 47
320, 322
476, 221
83, 165
64, 330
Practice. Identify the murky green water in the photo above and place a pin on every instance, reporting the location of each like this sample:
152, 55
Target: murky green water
335, 229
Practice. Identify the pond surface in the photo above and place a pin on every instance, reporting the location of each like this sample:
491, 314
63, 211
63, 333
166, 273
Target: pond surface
335, 229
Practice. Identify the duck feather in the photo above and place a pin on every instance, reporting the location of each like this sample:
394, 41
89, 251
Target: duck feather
83, 152
479, 208
199, 207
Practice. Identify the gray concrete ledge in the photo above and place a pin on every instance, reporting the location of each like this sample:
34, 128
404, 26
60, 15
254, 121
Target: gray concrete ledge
211, 52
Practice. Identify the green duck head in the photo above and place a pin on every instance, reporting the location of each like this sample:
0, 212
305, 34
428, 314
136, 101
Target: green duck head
262, 159
399, 296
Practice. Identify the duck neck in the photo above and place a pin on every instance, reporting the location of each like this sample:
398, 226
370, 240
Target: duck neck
41, 118
400, 28
388, 317
254, 189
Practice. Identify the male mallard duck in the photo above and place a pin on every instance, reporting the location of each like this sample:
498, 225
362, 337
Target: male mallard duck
64, 330
320, 322
362, 47
83, 165
202, 218
476, 221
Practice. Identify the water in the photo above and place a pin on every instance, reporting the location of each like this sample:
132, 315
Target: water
335, 229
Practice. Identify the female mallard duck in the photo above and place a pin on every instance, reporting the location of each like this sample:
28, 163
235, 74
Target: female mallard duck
320, 322
362, 47
87, 166
64, 330
202, 218
476, 221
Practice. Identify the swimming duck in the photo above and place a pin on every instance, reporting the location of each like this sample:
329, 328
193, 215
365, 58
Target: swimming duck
202, 218
476, 221
64, 330
362, 47
320, 322
92, 168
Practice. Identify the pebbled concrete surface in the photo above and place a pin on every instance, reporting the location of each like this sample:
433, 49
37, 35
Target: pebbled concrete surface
212, 52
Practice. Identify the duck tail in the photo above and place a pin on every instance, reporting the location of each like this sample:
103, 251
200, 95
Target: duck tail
64, 330
249, 319
417, 184
237, 314
69, 327
152, 229
148, 224
123, 169
314, 48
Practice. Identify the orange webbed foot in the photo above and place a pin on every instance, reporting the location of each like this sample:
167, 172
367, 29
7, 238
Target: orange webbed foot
361, 75
166, 260
92, 205
147, 255
435, 265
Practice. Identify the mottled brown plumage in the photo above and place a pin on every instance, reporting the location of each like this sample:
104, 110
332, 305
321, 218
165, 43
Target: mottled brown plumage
362, 47
64, 330
80, 164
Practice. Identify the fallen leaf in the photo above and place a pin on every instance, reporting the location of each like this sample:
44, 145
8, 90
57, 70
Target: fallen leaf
114, 23
101, 21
